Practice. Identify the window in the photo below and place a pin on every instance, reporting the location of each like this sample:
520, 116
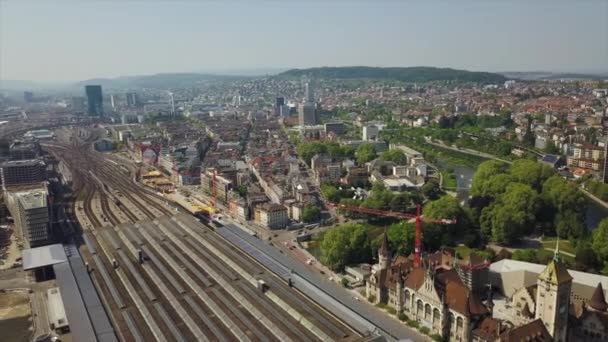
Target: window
427, 312
459, 324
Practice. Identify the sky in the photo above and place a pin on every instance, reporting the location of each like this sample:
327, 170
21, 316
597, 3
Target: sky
76, 40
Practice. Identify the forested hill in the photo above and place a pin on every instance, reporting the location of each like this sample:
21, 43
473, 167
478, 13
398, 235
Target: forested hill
409, 74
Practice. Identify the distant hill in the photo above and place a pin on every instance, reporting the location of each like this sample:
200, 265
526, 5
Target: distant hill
406, 74
547, 76
157, 81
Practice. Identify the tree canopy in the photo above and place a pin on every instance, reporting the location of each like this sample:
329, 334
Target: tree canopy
365, 153
311, 213
345, 245
512, 215
394, 155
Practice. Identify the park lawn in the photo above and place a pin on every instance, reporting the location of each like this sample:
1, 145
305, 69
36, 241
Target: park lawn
564, 245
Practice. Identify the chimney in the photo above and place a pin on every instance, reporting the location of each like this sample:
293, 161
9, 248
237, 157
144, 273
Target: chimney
115, 263
140, 255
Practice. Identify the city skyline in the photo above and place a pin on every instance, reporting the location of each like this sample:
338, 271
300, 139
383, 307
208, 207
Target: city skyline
48, 42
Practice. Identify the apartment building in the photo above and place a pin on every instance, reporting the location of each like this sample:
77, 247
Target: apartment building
272, 216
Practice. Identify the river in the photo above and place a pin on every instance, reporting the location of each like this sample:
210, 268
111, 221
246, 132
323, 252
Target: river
464, 176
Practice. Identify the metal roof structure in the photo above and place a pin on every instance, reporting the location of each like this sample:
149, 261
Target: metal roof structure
43, 256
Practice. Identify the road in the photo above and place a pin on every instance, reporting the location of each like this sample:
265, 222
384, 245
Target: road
593, 197
468, 151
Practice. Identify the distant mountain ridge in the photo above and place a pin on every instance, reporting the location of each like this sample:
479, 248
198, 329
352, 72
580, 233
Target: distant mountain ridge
547, 75
406, 74
158, 80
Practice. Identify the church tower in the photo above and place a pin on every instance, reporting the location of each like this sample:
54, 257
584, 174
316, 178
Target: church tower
384, 255
553, 297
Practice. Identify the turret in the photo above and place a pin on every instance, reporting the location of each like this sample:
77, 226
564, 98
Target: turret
384, 256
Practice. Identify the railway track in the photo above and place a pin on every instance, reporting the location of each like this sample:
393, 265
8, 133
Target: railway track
183, 288
163, 281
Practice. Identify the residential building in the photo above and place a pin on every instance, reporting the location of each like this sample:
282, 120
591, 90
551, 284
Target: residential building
94, 100
22, 172
272, 216
239, 208
222, 187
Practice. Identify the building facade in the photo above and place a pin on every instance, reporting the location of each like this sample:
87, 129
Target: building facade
22, 172
272, 216
307, 114
94, 100
31, 213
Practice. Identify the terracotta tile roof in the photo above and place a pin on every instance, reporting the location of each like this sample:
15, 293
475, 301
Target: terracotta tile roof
416, 278
449, 287
598, 301
487, 329
534, 331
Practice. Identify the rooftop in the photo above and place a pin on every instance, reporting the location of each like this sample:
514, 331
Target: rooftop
43, 256
508, 265
32, 199
28, 162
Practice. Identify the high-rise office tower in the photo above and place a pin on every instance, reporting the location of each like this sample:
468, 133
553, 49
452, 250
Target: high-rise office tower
30, 210
94, 99
279, 102
307, 114
28, 96
308, 93
113, 101
132, 99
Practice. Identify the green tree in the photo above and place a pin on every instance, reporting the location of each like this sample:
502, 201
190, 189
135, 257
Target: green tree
431, 190
512, 215
530, 172
344, 245
365, 153
394, 155
600, 241
308, 150
334, 248
311, 213
446, 207
484, 171
242, 190
586, 259
401, 236
568, 205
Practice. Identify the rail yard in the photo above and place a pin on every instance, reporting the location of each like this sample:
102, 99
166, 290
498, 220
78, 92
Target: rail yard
163, 275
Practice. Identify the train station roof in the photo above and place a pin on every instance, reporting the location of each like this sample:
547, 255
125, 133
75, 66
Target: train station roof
43, 256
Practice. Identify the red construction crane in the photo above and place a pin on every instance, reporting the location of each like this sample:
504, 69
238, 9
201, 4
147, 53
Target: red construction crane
419, 219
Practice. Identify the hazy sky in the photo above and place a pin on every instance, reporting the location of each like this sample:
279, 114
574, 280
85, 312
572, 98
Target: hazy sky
74, 40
